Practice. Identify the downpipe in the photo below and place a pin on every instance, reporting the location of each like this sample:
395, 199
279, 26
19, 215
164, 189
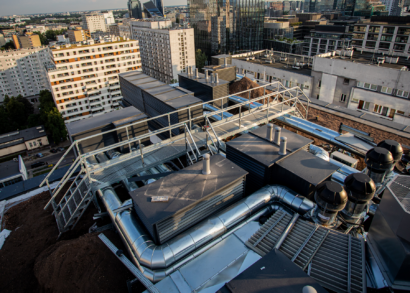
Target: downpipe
158, 261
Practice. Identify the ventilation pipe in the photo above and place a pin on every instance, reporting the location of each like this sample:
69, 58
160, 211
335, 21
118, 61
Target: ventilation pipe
283, 142
395, 148
379, 162
207, 165
330, 198
158, 261
216, 78
269, 133
196, 73
206, 75
277, 136
360, 190
225, 62
212, 77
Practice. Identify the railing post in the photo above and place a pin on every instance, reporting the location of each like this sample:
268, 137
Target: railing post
77, 147
128, 138
240, 116
142, 154
86, 170
189, 116
222, 107
249, 100
267, 112
169, 124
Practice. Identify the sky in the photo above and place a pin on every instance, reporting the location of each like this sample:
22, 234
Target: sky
10, 7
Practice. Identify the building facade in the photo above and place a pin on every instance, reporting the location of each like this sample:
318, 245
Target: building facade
394, 7
94, 22
23, 72
382, 37
165, 52
27, 41
108, 18
325, 38
224, 27
134, 9
85, 80
78, 35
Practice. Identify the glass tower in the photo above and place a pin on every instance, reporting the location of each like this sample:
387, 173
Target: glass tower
227, 26
135, 9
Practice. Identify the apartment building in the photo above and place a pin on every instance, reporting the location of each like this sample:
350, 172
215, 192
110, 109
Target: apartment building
382, 37
78, 35
326, 38
36, 28
108, 18
369, 82
94, 22
85, 80
124, 29
165, 52
27, 41
23, 72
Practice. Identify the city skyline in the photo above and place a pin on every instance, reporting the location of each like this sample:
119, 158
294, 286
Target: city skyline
19, 7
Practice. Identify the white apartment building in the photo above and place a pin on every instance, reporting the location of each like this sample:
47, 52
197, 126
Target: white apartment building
165, 52
23, 72
108, 18
94, 22
85, 81
36, 28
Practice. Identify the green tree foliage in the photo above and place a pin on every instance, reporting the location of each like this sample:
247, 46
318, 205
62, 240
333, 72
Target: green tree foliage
52, 35
43, 38
51, 118
200, 59
34, 120
4, 121
16, 113
8, 46
177, 20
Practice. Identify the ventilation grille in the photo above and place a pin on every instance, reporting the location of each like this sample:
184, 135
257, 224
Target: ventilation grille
181, 221
333, 259
400, 188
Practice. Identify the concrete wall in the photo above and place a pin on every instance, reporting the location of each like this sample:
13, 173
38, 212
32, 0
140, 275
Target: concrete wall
328, 87
43, 140
13, 149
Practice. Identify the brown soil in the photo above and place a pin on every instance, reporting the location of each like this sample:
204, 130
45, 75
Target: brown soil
333, 122
31, 251
245, 84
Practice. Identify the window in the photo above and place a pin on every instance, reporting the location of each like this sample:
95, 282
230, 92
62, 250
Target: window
403, 94
387, 90
366, 105
346, 81
400, 112
30, 144
343, 98
355, 101
320, 83
366, 85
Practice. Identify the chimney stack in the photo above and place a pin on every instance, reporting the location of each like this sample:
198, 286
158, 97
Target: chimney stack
206, 170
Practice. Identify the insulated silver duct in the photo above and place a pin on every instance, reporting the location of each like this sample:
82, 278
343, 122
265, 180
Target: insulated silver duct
160, 257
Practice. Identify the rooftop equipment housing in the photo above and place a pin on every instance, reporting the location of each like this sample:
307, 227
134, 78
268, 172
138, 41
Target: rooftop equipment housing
225, 72
379, 162
205, 89
192, 196
220, 59
101, 123
156, 98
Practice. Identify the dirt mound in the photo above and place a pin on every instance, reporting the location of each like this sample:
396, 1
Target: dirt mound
246, 84
83, 264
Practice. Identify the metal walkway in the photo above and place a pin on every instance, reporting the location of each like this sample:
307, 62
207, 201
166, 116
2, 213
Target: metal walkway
334, 259
208, 135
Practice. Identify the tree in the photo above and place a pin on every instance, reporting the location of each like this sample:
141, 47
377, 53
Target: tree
28, 107
34, 120
200, 59
46, 103
16, 113
4, 121
177, 20
8, 46
43, 38
55, 124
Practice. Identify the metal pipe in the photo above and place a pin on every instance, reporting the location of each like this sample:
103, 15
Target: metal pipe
287, 230
269, 135
162, 256
206, 170
206, 75
283, 142
196, 73
277, 135
216, 78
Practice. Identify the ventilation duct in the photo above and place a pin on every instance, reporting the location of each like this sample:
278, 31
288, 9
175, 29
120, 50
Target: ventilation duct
379, 161
394, 148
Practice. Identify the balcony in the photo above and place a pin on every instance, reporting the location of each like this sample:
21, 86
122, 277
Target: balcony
96, 108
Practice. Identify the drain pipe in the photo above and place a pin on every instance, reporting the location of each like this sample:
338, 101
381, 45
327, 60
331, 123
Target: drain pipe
159, 258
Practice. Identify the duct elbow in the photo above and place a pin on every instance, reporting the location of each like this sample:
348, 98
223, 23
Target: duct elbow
319, 152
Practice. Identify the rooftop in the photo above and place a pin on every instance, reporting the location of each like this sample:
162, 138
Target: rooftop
369, 58
73, 46
8, 169
281, 60
17, 137
99, 121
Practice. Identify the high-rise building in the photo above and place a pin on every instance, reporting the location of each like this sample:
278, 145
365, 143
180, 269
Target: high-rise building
27, 41
135, 9
85, 80
326, 38
108, 18
165, 52
22, 72
394, 7
94, 22
227, 27
78, 35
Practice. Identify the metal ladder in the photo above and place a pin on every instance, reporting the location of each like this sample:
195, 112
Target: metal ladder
195, 156
219, 145
73, 204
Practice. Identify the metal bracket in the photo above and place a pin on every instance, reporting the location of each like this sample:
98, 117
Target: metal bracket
123, 208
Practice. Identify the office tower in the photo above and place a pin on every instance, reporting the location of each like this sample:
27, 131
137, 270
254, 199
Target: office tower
165, 52
135, 9
85, 80
227, 27
22, 72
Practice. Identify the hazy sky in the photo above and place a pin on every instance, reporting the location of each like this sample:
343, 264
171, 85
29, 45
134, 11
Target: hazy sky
8, 7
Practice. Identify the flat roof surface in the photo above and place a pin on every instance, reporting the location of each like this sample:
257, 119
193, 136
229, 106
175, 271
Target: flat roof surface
8, 169
258, 149
151, 84
308, 167
100, 121
159, 90
371, 59
184, 188
202, 80
294, 140
285, 65
273, 273
26, 134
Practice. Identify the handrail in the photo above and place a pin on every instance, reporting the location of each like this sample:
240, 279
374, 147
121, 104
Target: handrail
181, 124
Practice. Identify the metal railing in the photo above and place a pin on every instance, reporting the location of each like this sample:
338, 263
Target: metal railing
288, 96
